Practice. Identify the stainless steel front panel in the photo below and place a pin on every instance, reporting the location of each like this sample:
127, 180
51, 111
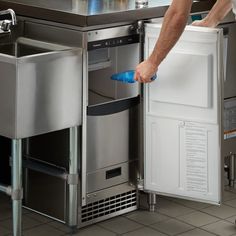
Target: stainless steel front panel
40, 88
109, 192
110, 176
109, 33
230, 80
52, 33
107, 140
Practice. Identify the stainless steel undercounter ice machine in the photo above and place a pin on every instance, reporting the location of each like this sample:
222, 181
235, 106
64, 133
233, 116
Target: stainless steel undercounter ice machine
181, 110
130, 136
109, 155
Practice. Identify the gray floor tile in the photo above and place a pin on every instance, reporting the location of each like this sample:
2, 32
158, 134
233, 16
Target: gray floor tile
172, 209
197, 232
228, 195
191, 204
43, 230
231, 219
120, 225
26, 211
231, 203
94, 230
4, 231
222, 228
171, 227
27, 223
39, 217
233, 190
198, 219
145, 217
60, 226
144, 231
222, 211
227, 188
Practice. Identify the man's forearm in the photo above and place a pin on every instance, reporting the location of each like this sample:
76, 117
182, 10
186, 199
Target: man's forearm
218, 12
174, 23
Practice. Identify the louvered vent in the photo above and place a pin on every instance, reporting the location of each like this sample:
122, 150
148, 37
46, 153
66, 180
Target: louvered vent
109, 205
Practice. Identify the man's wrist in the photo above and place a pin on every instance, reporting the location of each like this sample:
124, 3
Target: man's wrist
210, 22
154, 60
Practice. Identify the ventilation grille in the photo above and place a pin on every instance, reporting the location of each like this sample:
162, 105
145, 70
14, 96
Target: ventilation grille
109, 205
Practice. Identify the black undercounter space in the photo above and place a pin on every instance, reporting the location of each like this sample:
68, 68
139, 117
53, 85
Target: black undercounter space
86, 13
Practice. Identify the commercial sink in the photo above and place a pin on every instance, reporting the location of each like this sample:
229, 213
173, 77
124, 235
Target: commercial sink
40, 87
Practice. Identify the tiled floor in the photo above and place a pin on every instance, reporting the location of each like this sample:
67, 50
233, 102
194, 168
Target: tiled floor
172, 217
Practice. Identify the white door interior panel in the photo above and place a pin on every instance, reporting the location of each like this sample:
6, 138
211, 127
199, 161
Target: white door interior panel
187, 85
179, 85
179, 159
183, 117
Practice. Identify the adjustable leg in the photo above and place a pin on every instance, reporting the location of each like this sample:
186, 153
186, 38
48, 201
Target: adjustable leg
17, 192
73, 178
152, 201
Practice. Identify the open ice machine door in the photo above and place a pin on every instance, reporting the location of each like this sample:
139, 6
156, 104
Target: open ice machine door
182, 117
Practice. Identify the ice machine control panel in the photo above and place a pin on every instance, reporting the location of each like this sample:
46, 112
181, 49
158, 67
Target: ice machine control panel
113, 42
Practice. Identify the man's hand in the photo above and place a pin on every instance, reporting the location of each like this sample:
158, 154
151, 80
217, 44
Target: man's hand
216, 14
145, 71
205, 23
201, 23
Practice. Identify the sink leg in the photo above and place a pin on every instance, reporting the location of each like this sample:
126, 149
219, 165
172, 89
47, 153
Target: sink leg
17, 191
232, 170
73, 178
152, 201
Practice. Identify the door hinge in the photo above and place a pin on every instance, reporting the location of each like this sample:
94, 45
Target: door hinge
140, 184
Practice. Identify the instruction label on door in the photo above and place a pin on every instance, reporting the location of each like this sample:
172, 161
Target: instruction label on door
195, 148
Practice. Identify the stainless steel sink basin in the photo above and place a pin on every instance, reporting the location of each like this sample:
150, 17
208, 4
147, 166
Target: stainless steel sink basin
40, 87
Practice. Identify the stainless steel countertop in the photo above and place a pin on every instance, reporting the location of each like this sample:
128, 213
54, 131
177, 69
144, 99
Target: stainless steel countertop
93, 12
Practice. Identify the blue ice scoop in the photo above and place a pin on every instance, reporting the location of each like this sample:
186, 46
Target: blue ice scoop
127, 76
